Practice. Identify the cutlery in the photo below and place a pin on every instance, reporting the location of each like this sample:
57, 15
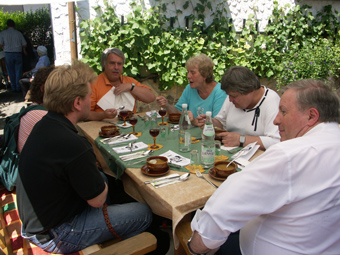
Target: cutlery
136, 156
171, 176
181, 178
240, 153
121, 107
199, 175
110, 139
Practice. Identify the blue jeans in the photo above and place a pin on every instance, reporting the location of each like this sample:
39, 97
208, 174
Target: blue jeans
89, 227
14, 68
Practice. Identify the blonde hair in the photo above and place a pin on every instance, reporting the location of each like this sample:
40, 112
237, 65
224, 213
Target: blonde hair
65, 84
204, 64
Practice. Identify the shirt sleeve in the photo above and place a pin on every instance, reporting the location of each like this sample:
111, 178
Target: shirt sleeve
244, 196
222, 114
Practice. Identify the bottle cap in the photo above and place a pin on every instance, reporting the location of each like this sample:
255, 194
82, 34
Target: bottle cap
208, 114
184, 105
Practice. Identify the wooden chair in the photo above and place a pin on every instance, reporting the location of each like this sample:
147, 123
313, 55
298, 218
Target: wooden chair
11, 242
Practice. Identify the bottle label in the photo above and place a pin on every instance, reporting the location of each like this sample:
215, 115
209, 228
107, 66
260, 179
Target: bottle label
187, 139
209, 130
207, 155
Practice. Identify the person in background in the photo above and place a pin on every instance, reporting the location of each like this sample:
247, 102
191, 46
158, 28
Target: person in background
13, 43
43, 61
125, 88
73, 214
28, 121
201, 92
248, 112
286, 200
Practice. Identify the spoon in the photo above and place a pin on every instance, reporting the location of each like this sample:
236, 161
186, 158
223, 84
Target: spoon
183, 177
121, 107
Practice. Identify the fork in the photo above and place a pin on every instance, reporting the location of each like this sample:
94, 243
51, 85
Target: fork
200, 175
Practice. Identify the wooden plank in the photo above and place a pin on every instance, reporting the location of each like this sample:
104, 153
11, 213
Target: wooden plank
137, 245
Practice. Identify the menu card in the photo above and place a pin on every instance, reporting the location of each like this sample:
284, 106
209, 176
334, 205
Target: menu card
176, 159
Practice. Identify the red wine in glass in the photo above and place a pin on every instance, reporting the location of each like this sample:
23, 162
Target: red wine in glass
133, 122
154, 133
124, 114
162, 112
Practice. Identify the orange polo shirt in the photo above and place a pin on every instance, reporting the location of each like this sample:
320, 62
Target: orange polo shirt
103, 85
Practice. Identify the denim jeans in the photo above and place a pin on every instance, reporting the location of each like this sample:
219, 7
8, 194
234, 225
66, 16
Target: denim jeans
89, 227
14, 68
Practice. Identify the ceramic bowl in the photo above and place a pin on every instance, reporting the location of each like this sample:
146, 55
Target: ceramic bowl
157, 163
221, 169
174, 117
108, 130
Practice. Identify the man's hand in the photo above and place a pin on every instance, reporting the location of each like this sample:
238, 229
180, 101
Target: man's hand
120, 88
110, 113
162, 101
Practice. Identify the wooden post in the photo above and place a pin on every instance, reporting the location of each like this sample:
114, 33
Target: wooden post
73, 30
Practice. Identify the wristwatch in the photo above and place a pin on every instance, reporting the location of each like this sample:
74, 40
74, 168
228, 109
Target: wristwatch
242, 140
189, 247
132, 86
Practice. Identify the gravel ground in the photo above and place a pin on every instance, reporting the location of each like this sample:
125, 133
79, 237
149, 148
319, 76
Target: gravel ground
10, 103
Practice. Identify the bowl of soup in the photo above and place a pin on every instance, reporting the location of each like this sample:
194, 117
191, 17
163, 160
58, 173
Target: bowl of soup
157, 163
221, 169
109, 130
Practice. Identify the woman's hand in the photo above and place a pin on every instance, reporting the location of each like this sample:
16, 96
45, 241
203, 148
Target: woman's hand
162, 101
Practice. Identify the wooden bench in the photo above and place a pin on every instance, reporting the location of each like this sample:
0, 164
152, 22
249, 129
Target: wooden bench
11, 241
183, 232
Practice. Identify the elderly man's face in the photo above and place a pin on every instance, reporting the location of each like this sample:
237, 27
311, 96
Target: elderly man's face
113, 67
291, 121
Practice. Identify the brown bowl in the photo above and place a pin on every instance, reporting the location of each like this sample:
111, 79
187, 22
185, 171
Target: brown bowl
130, 114
223, 171
109, 130
157, 163
174, 117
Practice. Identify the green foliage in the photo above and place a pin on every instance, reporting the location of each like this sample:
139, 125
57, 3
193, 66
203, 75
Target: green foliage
314, 61
149, 43
35, 25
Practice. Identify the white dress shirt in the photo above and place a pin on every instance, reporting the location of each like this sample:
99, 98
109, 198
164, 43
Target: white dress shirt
287, 201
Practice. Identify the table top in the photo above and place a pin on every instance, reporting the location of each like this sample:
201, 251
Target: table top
172, 201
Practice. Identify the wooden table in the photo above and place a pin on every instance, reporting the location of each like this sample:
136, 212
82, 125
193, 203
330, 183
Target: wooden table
173, 201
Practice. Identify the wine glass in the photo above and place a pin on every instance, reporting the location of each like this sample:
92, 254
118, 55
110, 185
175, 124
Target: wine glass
154, 132
133, 122
162, 112
124, 114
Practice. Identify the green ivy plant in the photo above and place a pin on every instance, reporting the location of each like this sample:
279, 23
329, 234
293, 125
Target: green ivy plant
154, 49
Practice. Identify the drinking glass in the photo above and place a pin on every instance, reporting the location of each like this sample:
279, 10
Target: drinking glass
194, 159
154, 132
200, 110
146, 120
133, 122
162, 112
124, 114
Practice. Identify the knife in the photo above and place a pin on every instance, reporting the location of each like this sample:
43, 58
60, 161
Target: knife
171, 176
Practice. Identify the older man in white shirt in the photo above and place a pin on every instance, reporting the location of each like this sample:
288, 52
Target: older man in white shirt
287, 200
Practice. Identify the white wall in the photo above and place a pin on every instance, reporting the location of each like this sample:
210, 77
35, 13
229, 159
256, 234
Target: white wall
237, 10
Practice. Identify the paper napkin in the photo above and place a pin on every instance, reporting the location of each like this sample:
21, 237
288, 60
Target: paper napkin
124, 140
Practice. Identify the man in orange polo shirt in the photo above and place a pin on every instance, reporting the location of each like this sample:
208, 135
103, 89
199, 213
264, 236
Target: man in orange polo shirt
112, 61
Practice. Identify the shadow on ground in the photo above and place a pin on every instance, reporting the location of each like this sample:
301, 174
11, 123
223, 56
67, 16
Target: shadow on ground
10, 103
